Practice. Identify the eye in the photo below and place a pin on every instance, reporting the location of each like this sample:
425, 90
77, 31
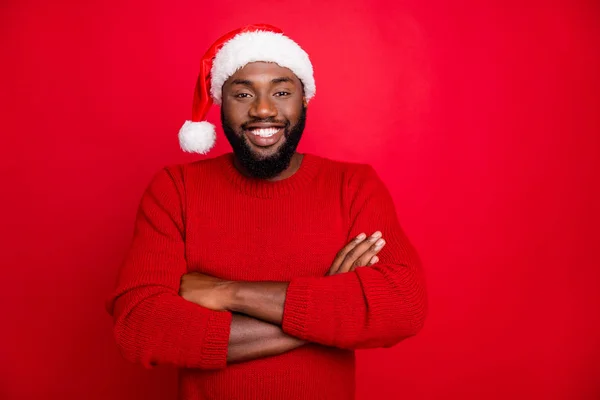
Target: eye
242, 95
282, 94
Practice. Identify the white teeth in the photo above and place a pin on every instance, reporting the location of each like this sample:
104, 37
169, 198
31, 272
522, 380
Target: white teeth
265, 132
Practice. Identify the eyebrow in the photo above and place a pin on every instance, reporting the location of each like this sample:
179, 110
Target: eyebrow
241, 82
282, 80
246, 82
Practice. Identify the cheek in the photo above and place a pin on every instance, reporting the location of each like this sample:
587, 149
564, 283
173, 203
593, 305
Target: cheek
292, 112
234, 114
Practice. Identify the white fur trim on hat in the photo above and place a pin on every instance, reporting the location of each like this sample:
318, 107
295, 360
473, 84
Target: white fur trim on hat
197, 137
256, 46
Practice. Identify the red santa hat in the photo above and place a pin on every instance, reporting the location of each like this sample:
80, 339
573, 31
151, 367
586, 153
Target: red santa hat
228, 54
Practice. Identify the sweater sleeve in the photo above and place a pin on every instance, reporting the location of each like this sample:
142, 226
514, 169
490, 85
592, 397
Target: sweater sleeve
372, 307
153, 325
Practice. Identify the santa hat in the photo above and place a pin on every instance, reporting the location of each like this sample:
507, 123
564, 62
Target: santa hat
227, 55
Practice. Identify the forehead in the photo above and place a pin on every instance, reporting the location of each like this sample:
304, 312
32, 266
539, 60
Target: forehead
263, 72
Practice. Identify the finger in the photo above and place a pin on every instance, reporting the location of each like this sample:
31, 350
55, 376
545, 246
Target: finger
368, 258
372, 251
354, 254
374, 260
339, 258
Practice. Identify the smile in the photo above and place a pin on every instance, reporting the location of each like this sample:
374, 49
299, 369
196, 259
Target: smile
265, 136
264, 132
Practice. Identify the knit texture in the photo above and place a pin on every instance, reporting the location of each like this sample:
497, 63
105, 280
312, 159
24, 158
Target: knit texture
205, 216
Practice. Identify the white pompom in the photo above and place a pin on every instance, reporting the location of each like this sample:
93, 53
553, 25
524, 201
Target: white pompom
197, 137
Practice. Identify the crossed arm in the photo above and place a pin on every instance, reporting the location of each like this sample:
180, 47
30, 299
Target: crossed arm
258, 306
375, 306
251, 338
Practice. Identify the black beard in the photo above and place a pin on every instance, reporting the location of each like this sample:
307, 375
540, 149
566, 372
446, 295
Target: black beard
271, 166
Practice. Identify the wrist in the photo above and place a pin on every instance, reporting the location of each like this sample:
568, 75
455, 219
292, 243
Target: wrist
234, 296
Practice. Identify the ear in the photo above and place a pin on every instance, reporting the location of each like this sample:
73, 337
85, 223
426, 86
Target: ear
304, 102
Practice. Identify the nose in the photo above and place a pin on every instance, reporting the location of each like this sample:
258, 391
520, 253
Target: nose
262, 108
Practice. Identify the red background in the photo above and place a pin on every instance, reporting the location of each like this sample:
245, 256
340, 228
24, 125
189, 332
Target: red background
482, 117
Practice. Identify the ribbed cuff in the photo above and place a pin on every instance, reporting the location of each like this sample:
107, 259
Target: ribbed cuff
295, 311
216, 341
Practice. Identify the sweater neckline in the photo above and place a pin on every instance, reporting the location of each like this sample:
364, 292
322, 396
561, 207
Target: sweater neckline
269, 189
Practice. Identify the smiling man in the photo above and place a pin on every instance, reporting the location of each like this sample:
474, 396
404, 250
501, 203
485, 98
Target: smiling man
258, 273
260, 102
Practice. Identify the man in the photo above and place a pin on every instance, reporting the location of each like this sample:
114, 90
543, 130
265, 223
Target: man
259, 272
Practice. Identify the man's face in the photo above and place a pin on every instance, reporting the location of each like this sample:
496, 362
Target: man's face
263, 114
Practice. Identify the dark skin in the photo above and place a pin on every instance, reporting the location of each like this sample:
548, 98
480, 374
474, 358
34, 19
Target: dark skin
258, 306
265, 91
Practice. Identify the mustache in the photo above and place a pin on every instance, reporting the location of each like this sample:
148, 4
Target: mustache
269, 120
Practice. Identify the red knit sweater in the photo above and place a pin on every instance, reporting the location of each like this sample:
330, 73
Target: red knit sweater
205, 216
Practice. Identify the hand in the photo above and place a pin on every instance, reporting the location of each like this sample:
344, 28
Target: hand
360, 252
206, 291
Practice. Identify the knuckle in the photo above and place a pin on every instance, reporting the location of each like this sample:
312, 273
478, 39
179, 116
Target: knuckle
343, 252
348, 247
352, 254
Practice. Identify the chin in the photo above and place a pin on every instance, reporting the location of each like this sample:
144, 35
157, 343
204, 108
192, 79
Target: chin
261, 153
